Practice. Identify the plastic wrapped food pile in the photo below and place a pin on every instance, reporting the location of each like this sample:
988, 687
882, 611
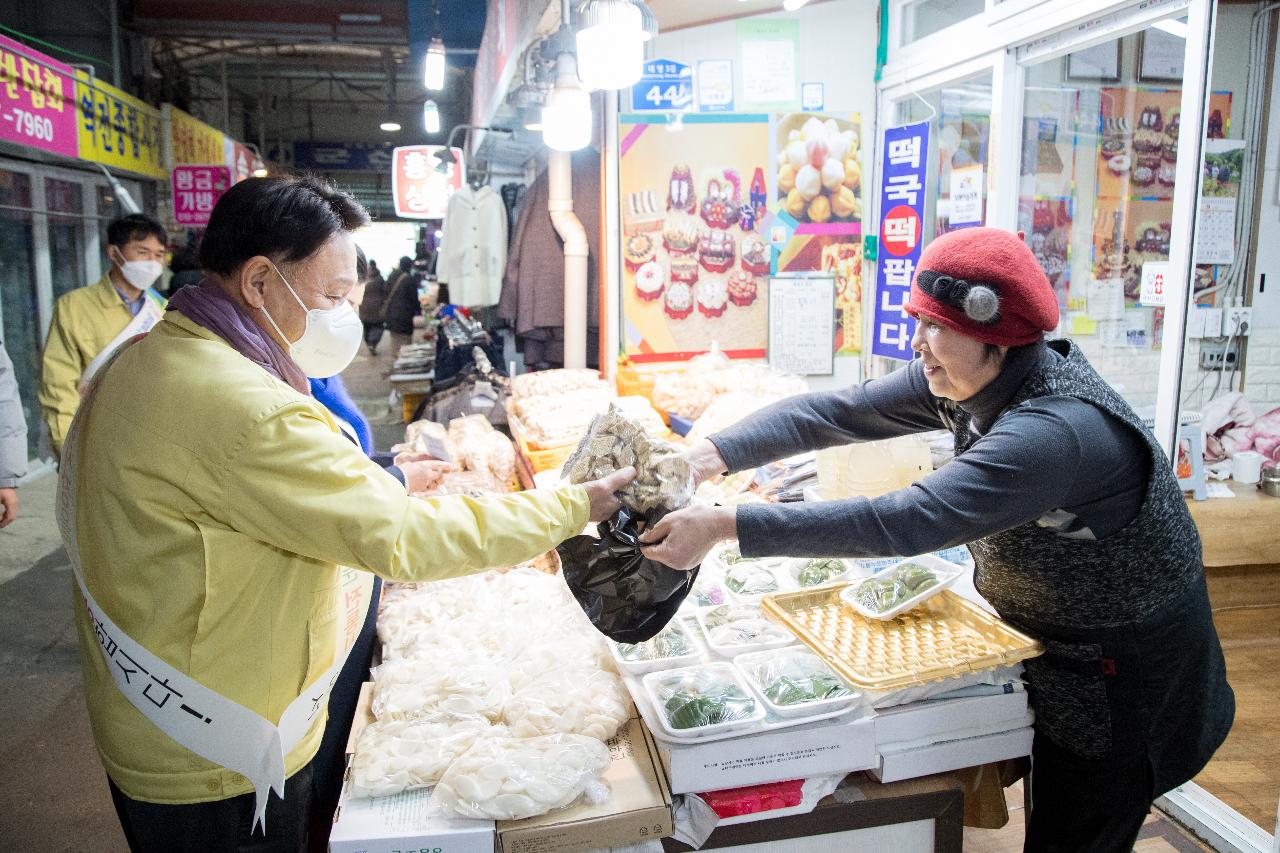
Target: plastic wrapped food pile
742, 625
796, 678
499, 658
469, 686
483, 449
553, 408
396, 755
708, 377
543, 383
698, 698
671, 642
819, 571
483, 459
505, 778
750, 579
799, 689
664, 480
881, 594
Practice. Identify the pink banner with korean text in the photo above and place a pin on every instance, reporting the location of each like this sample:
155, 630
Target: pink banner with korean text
196, 189
37, 100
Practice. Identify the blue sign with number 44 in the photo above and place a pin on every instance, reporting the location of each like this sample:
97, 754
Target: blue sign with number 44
665, 85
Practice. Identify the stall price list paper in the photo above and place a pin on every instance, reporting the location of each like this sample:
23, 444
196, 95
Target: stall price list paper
802, 325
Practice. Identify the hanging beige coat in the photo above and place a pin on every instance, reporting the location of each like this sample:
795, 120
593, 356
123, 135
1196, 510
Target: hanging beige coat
473, 251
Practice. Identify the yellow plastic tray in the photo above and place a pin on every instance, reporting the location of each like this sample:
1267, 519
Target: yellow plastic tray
944, 637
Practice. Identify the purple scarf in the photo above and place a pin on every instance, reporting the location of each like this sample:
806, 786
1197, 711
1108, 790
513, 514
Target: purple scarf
209, 306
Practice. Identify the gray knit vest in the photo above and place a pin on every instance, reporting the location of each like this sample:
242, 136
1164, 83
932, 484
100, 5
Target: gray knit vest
1029, 572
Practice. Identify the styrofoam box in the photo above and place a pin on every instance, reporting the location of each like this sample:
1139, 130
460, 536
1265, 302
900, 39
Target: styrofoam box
402, 822
920, 720
953, 755
831, 746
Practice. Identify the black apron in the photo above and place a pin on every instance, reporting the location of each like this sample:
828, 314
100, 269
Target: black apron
1133, 669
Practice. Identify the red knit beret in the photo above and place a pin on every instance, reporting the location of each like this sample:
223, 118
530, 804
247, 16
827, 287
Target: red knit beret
984, 283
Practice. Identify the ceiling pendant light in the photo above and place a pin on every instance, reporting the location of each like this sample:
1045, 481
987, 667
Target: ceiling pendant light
433, 74
433, 65
566, 118
610, 42
430, 117
389, 126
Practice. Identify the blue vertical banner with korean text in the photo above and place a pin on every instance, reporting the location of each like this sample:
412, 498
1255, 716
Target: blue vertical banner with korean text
902, 181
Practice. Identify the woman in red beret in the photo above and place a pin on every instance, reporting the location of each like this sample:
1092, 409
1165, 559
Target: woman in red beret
1069, 505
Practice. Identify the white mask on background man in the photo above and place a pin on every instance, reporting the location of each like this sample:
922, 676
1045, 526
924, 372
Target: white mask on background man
141, 274
331, 338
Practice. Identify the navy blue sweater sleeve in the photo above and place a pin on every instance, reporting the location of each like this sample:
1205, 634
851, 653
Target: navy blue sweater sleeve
1035, 459
898, 404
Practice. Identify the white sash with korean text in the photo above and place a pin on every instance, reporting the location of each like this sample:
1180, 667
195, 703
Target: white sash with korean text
150, 313
204, 721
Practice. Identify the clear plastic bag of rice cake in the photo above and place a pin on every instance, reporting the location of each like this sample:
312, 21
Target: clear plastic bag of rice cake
506, 778
398, 755
408, 688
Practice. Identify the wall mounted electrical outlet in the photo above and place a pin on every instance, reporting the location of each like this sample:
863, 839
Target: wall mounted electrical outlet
1241, 314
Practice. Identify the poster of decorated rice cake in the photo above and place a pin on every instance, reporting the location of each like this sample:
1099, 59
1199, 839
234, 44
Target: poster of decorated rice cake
693, 195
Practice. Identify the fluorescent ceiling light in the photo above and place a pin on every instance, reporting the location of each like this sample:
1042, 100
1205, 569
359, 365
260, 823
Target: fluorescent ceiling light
389, 126
430, 117
610, 42
433, 66
566, 119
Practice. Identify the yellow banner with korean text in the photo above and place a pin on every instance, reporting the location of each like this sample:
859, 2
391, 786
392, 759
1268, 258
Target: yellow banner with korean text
118, 130
193, 142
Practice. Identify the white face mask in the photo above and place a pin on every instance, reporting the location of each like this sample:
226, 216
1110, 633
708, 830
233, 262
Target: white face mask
330, 341
141, 274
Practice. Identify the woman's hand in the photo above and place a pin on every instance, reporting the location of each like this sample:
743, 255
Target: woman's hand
705, 460
682, 539
421, 472
603, 492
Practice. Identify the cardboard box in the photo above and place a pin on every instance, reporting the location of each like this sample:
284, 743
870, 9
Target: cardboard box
400, 823
638, 808
926, 721
831, 746
363, 716
953, 755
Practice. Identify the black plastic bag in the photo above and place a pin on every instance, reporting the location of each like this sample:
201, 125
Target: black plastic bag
627, 596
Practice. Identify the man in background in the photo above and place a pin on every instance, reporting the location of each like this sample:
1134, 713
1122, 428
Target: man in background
90, 323
13, 441
375, 296
402, 306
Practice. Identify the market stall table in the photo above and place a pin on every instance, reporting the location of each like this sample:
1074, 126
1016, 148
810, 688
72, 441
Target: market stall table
1239, 531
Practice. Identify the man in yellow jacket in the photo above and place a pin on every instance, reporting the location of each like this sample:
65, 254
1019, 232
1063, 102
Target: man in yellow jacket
90, 322
208, 502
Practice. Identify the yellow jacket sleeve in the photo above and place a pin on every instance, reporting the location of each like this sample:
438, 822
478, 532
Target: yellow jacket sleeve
60, 377
298, 485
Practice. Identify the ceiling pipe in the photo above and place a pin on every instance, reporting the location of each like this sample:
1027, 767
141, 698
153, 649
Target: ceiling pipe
570, 229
